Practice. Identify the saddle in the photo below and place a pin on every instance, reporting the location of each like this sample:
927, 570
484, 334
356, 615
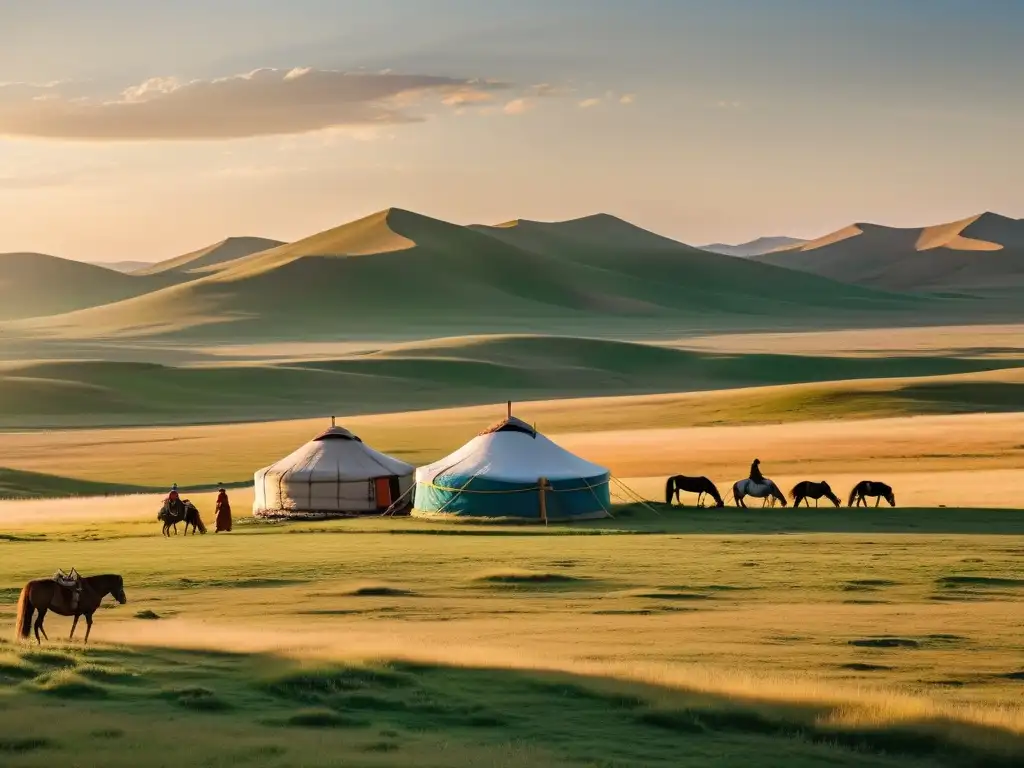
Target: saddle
73, 581
176, 508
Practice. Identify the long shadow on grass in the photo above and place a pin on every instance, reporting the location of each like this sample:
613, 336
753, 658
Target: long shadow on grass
661, 518
429, 707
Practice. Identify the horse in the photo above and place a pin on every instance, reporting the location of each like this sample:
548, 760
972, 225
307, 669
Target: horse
170, 517
698, 485
44, 595
808, 489
747, 487
871, 488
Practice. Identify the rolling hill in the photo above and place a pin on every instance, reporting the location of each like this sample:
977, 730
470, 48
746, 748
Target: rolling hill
444, 372
35, 284
984, 252
124, 266
210, 258
395, 271
758, 247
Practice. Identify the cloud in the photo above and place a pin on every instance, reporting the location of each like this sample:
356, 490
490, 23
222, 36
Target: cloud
729, 105
547, 90
627, 98
588, 103
517, 106
467, 97
264, 102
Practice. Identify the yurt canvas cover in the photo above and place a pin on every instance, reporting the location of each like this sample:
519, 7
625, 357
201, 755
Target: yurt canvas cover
335, 473
499, 473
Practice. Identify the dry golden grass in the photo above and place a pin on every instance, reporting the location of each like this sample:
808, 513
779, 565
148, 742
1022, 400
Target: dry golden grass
1005, 340
969, 460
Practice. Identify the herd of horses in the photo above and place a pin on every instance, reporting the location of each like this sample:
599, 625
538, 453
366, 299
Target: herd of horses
770, 492
80, 597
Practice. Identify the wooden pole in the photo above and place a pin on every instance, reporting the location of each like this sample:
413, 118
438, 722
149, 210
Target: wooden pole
542, 486
510, 409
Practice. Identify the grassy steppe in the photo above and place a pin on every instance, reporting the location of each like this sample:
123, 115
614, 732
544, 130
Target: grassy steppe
470, 370
397, 270
378, 643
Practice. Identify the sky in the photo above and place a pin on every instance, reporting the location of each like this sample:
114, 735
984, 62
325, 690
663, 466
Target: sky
137, 129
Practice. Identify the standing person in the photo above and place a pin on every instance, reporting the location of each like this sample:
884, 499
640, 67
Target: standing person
223, 510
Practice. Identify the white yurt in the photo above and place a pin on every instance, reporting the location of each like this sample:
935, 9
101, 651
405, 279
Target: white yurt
333, 475
511, 471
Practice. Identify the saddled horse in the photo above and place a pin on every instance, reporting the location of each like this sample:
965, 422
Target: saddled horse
42, 595
767, 490
173, 513
699, 485
871, 488
808, 489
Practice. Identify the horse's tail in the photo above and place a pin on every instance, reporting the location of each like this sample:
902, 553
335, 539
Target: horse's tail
669, 487
23, 624
793, 491
853, 495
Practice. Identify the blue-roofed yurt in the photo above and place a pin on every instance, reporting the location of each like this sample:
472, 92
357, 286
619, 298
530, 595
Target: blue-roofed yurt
511, 471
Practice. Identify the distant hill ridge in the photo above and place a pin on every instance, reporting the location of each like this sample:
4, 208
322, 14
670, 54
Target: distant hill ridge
211, 256
979, 252
33, 284
395, 270
756, 247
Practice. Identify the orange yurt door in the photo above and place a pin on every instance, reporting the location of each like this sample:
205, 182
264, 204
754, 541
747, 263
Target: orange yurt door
382, 492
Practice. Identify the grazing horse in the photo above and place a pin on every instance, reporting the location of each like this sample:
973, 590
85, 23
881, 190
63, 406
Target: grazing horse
173, 513
871, 488
698, 485
808, 489
766, 490
44, 595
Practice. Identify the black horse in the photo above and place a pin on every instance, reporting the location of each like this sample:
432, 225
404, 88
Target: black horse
871, 488
174, 512
808, 489
698, 485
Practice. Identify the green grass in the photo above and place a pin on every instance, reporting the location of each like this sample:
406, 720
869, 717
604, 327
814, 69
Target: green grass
286, 713
685, 637
349, 277
471, 370
19, 484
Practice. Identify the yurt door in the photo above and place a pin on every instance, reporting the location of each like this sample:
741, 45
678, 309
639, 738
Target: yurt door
382, 490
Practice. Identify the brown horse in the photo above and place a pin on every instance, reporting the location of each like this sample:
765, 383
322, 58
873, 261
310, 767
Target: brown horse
699, 485
172, 513
871, 488
44, 595
808, 489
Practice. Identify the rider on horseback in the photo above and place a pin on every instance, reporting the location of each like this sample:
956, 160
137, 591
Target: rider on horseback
755, 473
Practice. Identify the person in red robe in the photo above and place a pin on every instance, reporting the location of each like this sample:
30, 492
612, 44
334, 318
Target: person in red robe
223, 511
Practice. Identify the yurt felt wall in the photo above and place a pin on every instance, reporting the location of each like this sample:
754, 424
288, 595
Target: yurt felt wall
500, 473
333, 474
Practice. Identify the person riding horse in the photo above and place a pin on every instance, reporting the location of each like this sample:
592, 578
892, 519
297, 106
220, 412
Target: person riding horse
755, 473
173, 500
